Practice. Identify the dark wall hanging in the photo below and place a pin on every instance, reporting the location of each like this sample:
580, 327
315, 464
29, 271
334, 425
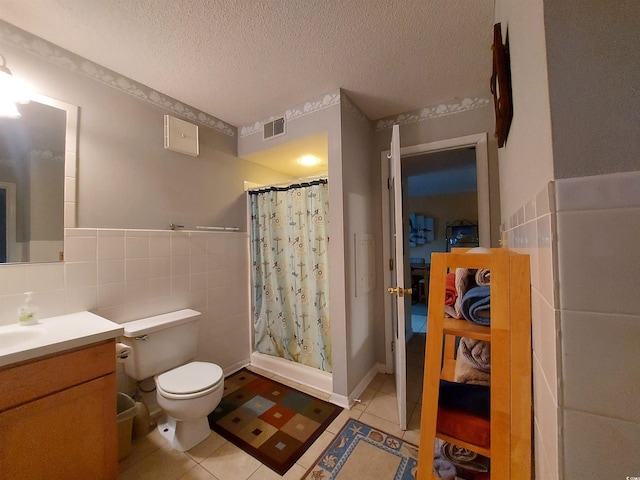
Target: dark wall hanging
501, 85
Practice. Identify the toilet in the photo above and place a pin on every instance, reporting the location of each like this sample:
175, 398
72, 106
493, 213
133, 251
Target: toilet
163, 347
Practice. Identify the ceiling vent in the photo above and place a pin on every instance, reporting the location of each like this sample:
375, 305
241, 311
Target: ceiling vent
273, 129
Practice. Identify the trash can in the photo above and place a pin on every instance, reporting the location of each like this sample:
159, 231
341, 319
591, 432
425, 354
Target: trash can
126, 409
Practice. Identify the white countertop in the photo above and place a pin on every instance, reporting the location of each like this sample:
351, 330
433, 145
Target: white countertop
53, 335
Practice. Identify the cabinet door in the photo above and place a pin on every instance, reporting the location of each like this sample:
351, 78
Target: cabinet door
66, 435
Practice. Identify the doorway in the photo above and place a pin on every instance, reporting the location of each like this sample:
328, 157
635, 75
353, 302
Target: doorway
465, 154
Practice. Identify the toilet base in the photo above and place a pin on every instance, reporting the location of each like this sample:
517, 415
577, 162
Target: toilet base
183, 435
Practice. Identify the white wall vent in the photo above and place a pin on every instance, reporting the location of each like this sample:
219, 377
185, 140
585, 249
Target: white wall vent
273, 129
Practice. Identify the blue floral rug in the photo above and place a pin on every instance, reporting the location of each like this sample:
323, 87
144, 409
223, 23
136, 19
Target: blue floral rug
360, 451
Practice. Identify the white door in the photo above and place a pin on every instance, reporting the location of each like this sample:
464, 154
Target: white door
398, 291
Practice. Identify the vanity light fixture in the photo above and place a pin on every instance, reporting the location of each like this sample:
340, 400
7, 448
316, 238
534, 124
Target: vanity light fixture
11, 92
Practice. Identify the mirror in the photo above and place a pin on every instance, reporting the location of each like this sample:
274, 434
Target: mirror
37, 180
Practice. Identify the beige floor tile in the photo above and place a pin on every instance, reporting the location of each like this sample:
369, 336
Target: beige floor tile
382, 424
207, 447
414, 418
388, 385
377, 381
140, 448
341, 419
197, 473
365, 398
310, 456
265, 473
230, 463
384, 406
412, 436
160, 465
414, 392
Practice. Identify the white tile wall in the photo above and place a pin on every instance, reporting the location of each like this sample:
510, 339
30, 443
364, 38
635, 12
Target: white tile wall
128, 274
586, 324
598, 258
530, 230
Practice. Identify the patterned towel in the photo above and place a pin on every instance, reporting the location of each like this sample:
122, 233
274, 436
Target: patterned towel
450, 293
476, 306
476, 353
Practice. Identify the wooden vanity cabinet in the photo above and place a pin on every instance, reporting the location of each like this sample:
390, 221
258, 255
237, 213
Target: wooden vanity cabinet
58, 416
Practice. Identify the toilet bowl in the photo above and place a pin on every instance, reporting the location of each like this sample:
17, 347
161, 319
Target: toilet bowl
187, 394
163, 348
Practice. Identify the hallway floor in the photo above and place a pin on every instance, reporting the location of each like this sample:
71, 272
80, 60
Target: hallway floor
217, 459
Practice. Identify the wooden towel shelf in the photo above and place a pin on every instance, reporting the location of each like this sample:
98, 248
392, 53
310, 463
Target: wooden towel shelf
506, 437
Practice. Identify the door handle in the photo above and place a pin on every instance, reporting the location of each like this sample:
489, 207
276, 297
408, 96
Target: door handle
399, 291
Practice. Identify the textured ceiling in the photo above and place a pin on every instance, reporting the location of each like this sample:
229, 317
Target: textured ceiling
244, 60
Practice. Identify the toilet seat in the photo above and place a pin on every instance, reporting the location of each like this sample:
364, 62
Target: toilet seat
191, 380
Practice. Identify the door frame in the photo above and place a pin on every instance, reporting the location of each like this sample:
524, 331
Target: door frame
479, 141
10, 212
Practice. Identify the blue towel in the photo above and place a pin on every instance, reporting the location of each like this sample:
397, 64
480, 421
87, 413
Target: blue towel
476, 305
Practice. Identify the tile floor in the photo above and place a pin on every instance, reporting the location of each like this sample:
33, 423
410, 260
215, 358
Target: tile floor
217, 459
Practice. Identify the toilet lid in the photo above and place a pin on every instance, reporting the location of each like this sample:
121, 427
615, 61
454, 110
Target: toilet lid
190, 378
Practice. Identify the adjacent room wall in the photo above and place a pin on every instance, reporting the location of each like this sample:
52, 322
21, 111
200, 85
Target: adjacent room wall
444, 209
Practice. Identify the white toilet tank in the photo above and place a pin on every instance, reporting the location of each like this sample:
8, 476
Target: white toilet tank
160, 343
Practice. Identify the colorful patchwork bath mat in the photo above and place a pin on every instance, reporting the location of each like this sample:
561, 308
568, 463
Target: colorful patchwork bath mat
360, 451
272, 422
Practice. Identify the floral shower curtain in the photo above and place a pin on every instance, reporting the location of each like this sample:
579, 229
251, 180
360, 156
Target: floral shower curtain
289, 250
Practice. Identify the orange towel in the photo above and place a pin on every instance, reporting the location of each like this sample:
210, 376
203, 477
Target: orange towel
450, 292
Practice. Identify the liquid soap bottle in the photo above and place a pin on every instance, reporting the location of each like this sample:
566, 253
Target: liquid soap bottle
27, 312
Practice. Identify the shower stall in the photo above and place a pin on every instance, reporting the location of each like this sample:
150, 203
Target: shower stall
289, 238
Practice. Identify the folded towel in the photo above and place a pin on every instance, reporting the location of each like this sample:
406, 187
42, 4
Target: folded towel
445, 469
463, 283
474, 399
483, 277
477, 353
450, 293
465, 373
464, 458
476, 306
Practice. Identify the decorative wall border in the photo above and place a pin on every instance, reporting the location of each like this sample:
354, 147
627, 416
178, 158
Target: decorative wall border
77, 64
432, 111
312, 106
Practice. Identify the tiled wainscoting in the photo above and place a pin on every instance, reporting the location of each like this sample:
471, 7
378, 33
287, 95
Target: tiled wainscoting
582, 235
123, 275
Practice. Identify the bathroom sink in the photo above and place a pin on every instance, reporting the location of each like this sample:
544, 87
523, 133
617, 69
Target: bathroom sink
14, 338
53, 335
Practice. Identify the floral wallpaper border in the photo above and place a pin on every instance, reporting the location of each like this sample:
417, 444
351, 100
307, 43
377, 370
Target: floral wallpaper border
77, 64
432, 111
312, 106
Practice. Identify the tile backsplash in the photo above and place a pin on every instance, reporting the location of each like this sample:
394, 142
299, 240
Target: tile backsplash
582, 235
124, 275
531, 231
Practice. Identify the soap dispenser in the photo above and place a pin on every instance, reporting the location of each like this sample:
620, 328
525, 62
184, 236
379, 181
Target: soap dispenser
27, 312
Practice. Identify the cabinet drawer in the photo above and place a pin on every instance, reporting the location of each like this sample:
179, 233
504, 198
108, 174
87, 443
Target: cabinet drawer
30, 380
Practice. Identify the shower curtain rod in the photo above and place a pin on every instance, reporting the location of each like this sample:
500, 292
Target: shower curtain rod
290, 183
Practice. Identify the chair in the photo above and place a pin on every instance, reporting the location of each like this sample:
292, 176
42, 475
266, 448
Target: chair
423, 286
